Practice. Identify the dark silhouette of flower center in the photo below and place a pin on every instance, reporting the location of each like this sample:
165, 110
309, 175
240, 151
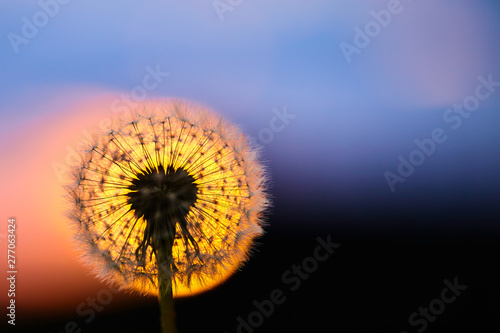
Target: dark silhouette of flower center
163, 198
162, 193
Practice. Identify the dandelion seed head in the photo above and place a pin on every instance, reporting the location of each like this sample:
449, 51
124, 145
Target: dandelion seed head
171, 173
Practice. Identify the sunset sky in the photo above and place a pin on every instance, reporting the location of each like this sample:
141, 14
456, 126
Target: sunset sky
344, 125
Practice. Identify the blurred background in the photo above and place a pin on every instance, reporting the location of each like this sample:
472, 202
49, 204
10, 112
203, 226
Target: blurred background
379, 127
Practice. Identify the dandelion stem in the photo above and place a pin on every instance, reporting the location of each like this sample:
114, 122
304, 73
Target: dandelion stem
167, 308
165, 296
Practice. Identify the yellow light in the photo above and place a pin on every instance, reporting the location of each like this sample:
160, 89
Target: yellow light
223, 221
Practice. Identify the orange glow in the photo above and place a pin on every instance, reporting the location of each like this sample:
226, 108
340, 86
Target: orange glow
50, 279
223, 221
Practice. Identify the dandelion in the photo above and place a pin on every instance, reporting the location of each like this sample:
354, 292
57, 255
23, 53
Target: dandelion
167, 202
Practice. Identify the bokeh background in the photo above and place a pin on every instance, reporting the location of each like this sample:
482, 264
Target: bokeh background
66, 67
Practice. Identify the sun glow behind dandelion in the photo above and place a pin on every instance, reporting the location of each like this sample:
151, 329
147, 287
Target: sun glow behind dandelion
175, 172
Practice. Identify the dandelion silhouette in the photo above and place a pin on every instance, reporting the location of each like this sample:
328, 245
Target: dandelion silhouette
167, 200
